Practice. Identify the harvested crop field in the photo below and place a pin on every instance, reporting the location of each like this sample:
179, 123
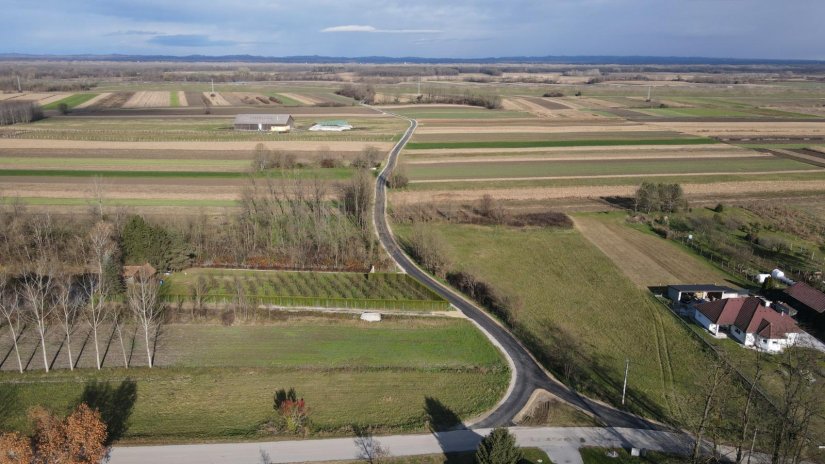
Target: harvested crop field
527, 127
33, 144
302, 98
182, 101
94, 101
114, 100
148, 99
589, 155
644, 258
746, 129
216, 99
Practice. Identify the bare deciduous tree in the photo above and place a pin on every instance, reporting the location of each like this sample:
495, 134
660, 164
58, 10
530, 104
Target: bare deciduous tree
37, 291
69, 309
10, 310
369, 449
143, 299
100, 249
712, 387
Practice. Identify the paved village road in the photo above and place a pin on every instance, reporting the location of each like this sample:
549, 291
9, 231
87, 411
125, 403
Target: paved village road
528, 374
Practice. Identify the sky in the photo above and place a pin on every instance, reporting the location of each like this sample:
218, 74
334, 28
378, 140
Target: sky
787, 29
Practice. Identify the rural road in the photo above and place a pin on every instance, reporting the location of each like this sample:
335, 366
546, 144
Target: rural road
528, 374
557, 441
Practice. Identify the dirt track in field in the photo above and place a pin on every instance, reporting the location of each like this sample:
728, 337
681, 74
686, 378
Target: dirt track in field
590, 191
206, 146
148, 99
646, 259
94, 101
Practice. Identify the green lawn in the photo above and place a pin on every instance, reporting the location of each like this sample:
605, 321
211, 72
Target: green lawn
557, 143
599, 167
216, 382
568, 294
325, 289
71, 101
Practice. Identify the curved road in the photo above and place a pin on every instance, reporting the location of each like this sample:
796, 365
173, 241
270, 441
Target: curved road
528, 374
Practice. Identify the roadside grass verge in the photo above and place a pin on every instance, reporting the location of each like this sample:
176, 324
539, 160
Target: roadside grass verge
217, 383
476, 170
391, 291
556, 143
71, 101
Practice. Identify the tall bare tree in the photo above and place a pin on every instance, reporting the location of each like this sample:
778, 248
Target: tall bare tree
746, 409
143, 296
68, 308
711, 389
10, 310
100, 250
37, 291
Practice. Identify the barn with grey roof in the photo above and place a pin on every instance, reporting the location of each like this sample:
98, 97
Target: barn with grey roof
264, 122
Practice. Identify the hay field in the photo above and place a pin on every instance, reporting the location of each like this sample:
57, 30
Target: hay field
644, 258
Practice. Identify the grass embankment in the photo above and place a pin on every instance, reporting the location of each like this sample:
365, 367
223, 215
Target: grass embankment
479, 170
71, 101
310, 289
568, 294
216, 383
556, 143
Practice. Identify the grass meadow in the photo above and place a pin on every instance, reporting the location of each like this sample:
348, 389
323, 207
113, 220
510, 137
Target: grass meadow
214, 382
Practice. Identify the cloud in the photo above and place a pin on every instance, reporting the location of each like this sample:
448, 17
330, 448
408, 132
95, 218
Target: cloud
189, 40
371, 29
131, 32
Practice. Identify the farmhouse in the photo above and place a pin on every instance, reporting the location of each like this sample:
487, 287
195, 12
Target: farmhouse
749, 322
130, 272
686, 293
264, 122
331, 126
808, 302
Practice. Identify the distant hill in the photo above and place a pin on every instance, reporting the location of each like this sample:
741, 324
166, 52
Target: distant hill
315, 59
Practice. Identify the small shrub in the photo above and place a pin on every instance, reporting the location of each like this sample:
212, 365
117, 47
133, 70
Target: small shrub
228, 318
554, 94
328, 163
719, 208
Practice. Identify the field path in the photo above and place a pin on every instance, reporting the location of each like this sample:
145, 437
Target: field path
644, 258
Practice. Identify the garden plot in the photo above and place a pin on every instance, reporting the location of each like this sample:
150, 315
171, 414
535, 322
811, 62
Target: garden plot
115, 100
249, 98
148, 99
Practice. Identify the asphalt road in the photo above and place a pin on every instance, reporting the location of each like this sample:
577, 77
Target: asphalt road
529, 375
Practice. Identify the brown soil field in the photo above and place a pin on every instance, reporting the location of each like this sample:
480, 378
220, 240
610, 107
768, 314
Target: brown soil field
745, 129
540, 193
526, 128
217, 100
548, 103
303, 99
605, 176
148, 99
194, 98
94, 101
182, 101
114, 100
610, 149
32, 144
69, 153
646, 259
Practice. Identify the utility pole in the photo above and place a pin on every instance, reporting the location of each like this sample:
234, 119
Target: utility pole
419, 85
649, 87
624, 387
19, 88
213, 85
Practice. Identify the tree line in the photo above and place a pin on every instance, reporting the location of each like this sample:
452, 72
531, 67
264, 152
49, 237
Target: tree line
19, 112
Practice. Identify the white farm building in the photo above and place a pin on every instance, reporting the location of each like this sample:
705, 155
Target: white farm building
264, 122
331, 126
748, 321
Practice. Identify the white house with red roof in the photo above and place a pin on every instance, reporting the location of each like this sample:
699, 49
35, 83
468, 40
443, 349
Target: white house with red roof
748, 321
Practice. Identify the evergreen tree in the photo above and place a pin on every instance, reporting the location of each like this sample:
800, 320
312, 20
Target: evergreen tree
498, 448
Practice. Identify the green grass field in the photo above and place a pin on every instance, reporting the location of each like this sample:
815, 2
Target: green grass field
174, 99
71, 101
557, 143
216, 382
482, 170
325, 289
570, 294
